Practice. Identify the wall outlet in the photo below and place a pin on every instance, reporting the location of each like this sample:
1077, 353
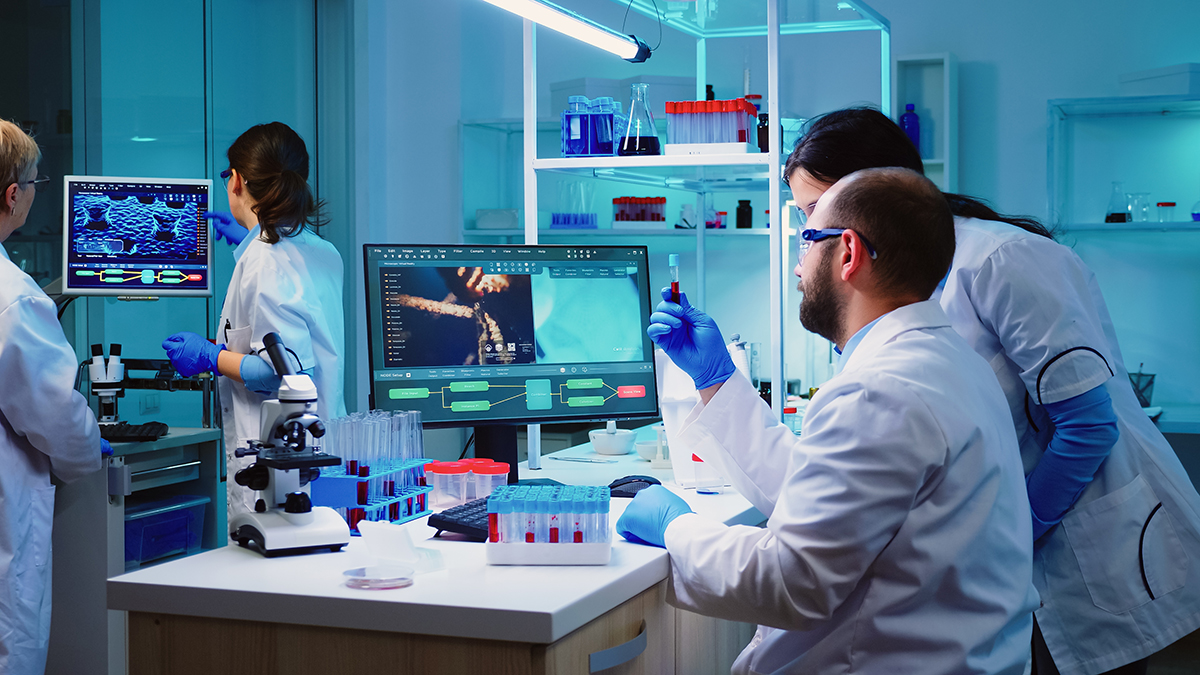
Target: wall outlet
148, 404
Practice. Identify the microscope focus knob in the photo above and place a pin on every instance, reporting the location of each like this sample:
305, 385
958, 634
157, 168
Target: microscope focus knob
255, 477
297, 502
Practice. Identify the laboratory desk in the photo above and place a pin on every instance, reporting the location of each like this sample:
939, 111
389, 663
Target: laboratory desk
233, 611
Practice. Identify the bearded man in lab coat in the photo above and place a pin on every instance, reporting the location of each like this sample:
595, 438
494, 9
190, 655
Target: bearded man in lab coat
898, 537
45, 425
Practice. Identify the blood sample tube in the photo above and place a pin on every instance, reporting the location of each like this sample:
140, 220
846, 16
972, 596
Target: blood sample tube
673, 262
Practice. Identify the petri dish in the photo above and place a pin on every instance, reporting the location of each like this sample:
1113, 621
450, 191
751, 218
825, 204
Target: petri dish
379, 577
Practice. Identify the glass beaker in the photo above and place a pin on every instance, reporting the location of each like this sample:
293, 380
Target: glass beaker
640, 136
1139, 207
1118, 205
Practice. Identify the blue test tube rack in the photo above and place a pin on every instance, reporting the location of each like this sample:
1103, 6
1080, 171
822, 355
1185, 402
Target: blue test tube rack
338, 490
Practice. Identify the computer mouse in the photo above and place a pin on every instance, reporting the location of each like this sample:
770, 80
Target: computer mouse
631, 485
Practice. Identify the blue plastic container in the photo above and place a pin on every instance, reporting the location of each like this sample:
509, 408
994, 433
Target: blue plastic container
163, 528
576, 127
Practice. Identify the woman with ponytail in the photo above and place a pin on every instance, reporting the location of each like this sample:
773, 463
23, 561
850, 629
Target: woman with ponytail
287, 280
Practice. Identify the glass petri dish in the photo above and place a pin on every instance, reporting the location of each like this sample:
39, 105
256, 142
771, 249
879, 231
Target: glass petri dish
379, 577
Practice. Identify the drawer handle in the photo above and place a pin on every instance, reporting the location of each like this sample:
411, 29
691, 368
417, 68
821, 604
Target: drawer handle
173, 467
622, 653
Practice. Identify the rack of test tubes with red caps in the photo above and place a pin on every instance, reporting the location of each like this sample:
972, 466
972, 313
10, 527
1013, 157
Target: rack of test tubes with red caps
382, 476
712, 122
549, 525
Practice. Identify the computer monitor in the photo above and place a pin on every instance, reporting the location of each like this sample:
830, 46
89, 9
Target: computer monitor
499, 336
136, 236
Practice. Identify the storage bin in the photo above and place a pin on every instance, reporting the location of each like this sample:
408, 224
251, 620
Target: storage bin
163, 528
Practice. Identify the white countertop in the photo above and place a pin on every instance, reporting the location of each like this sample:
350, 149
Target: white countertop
466, 599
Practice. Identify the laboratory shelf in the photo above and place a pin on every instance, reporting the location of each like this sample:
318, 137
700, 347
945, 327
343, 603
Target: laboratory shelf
746, 18
1127, 106
640, 233
694, 173
1134, 228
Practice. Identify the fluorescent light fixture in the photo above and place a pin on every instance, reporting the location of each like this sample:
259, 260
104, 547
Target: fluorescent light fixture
140, 139
569, 23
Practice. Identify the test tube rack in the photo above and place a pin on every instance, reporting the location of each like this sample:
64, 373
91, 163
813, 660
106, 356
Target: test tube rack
338, 489
549, 525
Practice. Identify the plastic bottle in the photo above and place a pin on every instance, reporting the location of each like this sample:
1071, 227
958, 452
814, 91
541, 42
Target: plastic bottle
764, 133
745, 215
1196, 211
575, 126
911, 124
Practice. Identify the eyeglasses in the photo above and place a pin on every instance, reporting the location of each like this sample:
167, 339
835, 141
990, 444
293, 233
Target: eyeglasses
809, 237
38, 183
225, 176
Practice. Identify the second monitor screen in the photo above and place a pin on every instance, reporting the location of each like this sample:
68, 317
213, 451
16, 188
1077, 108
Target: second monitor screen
505, 318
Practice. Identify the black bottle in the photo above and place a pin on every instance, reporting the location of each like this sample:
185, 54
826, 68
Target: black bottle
764, 133
709, 94
745, 215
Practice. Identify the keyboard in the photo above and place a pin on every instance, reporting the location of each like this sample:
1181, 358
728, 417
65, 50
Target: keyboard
470, 520
124, 432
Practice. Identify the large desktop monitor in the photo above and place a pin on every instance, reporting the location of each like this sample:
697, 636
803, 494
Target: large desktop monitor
136, 236
497, 336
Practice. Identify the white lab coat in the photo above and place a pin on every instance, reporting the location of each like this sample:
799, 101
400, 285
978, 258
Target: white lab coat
1033, 310
898, 537
45, 426
294, 288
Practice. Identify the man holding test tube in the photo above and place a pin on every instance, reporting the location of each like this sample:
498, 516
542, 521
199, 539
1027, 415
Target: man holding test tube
898, 537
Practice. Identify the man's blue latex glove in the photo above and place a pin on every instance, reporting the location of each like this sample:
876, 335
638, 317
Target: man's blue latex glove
227, 227
105, 448
645, 520
692, 340
191, 354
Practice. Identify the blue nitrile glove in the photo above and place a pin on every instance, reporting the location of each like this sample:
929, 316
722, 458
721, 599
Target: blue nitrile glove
692, 340
191, 354
1085, 430
227, 227
646, 518
105, 448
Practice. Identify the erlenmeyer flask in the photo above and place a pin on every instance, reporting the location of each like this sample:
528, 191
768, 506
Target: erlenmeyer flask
1118, 206
640, 136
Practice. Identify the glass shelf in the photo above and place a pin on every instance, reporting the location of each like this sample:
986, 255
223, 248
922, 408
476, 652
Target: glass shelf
609, 232
742, 18
696, 173
1134, 228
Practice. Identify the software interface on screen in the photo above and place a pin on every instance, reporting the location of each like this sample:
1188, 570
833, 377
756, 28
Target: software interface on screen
470, 334
132, 236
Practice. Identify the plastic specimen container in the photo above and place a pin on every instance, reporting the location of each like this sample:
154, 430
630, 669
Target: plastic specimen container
449, 484
488, 477
163, 528
549, 525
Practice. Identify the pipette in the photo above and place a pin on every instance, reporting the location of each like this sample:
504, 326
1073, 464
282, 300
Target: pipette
673, 262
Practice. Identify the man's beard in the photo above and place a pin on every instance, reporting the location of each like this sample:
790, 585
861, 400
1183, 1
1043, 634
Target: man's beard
821, 311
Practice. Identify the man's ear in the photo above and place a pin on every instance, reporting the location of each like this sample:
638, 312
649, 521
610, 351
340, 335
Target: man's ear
853, 254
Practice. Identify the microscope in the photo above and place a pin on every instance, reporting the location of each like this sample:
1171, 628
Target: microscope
284, 521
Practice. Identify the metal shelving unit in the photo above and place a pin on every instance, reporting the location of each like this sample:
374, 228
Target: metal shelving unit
712, 173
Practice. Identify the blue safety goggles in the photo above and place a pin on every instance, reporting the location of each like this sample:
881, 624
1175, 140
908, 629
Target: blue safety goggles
810, 237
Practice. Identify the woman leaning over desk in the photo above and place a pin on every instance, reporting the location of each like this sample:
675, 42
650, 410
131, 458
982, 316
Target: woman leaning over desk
1116, 521
287, 280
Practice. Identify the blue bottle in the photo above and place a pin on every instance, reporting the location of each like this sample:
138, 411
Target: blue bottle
911, 124
575, 127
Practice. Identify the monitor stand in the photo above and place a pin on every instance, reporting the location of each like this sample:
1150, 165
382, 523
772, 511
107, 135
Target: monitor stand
498, 442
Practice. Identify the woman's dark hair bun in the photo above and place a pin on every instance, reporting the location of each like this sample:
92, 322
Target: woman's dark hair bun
273, 161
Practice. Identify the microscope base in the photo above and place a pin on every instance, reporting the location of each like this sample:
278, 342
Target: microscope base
275, 533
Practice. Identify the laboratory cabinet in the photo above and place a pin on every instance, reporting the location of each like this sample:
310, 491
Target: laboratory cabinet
930, 83
1146, 270
89, 544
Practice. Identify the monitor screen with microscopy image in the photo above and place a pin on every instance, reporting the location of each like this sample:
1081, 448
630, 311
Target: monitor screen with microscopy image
136, 236
474, 335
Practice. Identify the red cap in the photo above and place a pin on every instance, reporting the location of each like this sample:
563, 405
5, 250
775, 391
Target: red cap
695, 458
670, 106
788, 410
447, 468
756, 97
491, 469
472, 461
1166, 203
